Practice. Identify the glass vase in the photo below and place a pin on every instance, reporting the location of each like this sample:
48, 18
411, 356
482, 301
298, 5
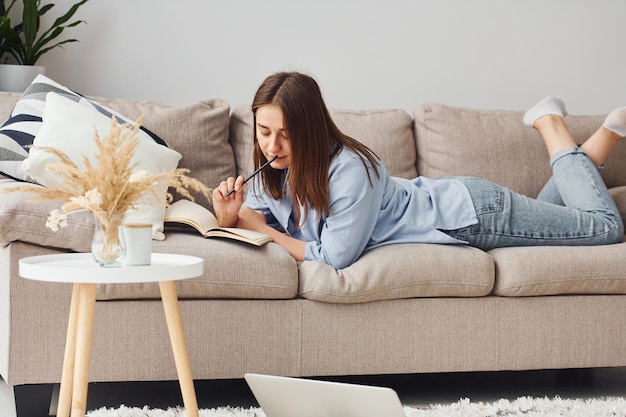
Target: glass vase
108, 247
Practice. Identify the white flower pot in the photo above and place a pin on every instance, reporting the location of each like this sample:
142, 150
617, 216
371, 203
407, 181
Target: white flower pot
18, 77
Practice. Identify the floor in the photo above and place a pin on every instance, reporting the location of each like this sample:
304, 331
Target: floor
417, 390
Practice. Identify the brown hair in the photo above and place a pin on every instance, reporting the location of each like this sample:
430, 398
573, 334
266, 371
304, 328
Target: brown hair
312, 133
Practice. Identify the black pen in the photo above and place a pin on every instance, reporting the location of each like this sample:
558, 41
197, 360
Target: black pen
254, 173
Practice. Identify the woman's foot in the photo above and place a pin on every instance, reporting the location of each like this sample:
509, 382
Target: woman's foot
547, 106
616, 121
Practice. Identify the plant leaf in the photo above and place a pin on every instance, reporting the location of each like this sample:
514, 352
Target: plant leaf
38, 55
4, 11
30, 21
45, 8
67, 16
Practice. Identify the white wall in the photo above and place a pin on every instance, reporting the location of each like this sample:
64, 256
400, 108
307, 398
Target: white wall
365, 54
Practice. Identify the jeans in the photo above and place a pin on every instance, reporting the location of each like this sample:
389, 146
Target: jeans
573, 209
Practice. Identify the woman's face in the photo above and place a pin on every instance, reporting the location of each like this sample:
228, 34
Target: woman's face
272, 135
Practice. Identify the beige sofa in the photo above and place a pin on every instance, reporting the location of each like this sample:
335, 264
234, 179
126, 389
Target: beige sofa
411, 308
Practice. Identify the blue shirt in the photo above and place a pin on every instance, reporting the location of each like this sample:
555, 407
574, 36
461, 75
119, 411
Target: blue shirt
364, 216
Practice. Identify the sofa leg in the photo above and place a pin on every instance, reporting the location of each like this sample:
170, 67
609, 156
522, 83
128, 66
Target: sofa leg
31, 400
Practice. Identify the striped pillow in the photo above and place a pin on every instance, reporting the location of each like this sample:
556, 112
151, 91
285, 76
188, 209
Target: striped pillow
20, 129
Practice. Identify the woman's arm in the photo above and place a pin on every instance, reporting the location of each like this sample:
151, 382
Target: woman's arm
355, 204
255, 220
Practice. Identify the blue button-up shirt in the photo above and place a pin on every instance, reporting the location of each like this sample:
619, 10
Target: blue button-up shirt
365, 215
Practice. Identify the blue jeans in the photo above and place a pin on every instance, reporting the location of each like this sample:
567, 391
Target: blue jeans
573, 209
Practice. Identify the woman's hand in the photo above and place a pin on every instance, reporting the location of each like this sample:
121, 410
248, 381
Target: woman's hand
252, 220
255, 220
227, 207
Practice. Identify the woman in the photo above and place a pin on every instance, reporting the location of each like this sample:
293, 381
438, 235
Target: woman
329, 198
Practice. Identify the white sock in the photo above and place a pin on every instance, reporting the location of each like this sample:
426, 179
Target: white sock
616, 121
549, 105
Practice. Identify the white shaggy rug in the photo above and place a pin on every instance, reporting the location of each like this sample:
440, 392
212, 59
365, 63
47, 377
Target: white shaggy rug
521, 407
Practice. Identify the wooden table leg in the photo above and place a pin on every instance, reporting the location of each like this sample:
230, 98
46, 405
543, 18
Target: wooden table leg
179, 346
84, 336
67, 377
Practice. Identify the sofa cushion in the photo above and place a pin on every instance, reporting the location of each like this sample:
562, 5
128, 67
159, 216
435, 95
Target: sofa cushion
494, 144
232, 270
401, 271
198, 131
22, 124
536, 271
386, 132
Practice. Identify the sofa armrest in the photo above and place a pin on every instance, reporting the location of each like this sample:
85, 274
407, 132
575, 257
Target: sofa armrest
25, 220
33, 320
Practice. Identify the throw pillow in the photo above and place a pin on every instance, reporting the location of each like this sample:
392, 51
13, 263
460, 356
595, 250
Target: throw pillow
69, 126
19, 130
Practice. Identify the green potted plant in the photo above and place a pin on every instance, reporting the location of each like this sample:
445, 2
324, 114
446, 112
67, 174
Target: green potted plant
23, 43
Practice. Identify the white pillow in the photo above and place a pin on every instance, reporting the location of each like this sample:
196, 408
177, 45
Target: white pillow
69, 126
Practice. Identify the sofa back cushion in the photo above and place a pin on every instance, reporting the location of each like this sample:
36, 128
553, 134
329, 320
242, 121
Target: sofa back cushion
386, 132
494, 144
198, 131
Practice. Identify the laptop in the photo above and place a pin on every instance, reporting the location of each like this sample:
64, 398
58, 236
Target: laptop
299, 397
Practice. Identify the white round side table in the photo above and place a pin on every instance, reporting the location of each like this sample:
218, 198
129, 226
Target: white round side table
82, 271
